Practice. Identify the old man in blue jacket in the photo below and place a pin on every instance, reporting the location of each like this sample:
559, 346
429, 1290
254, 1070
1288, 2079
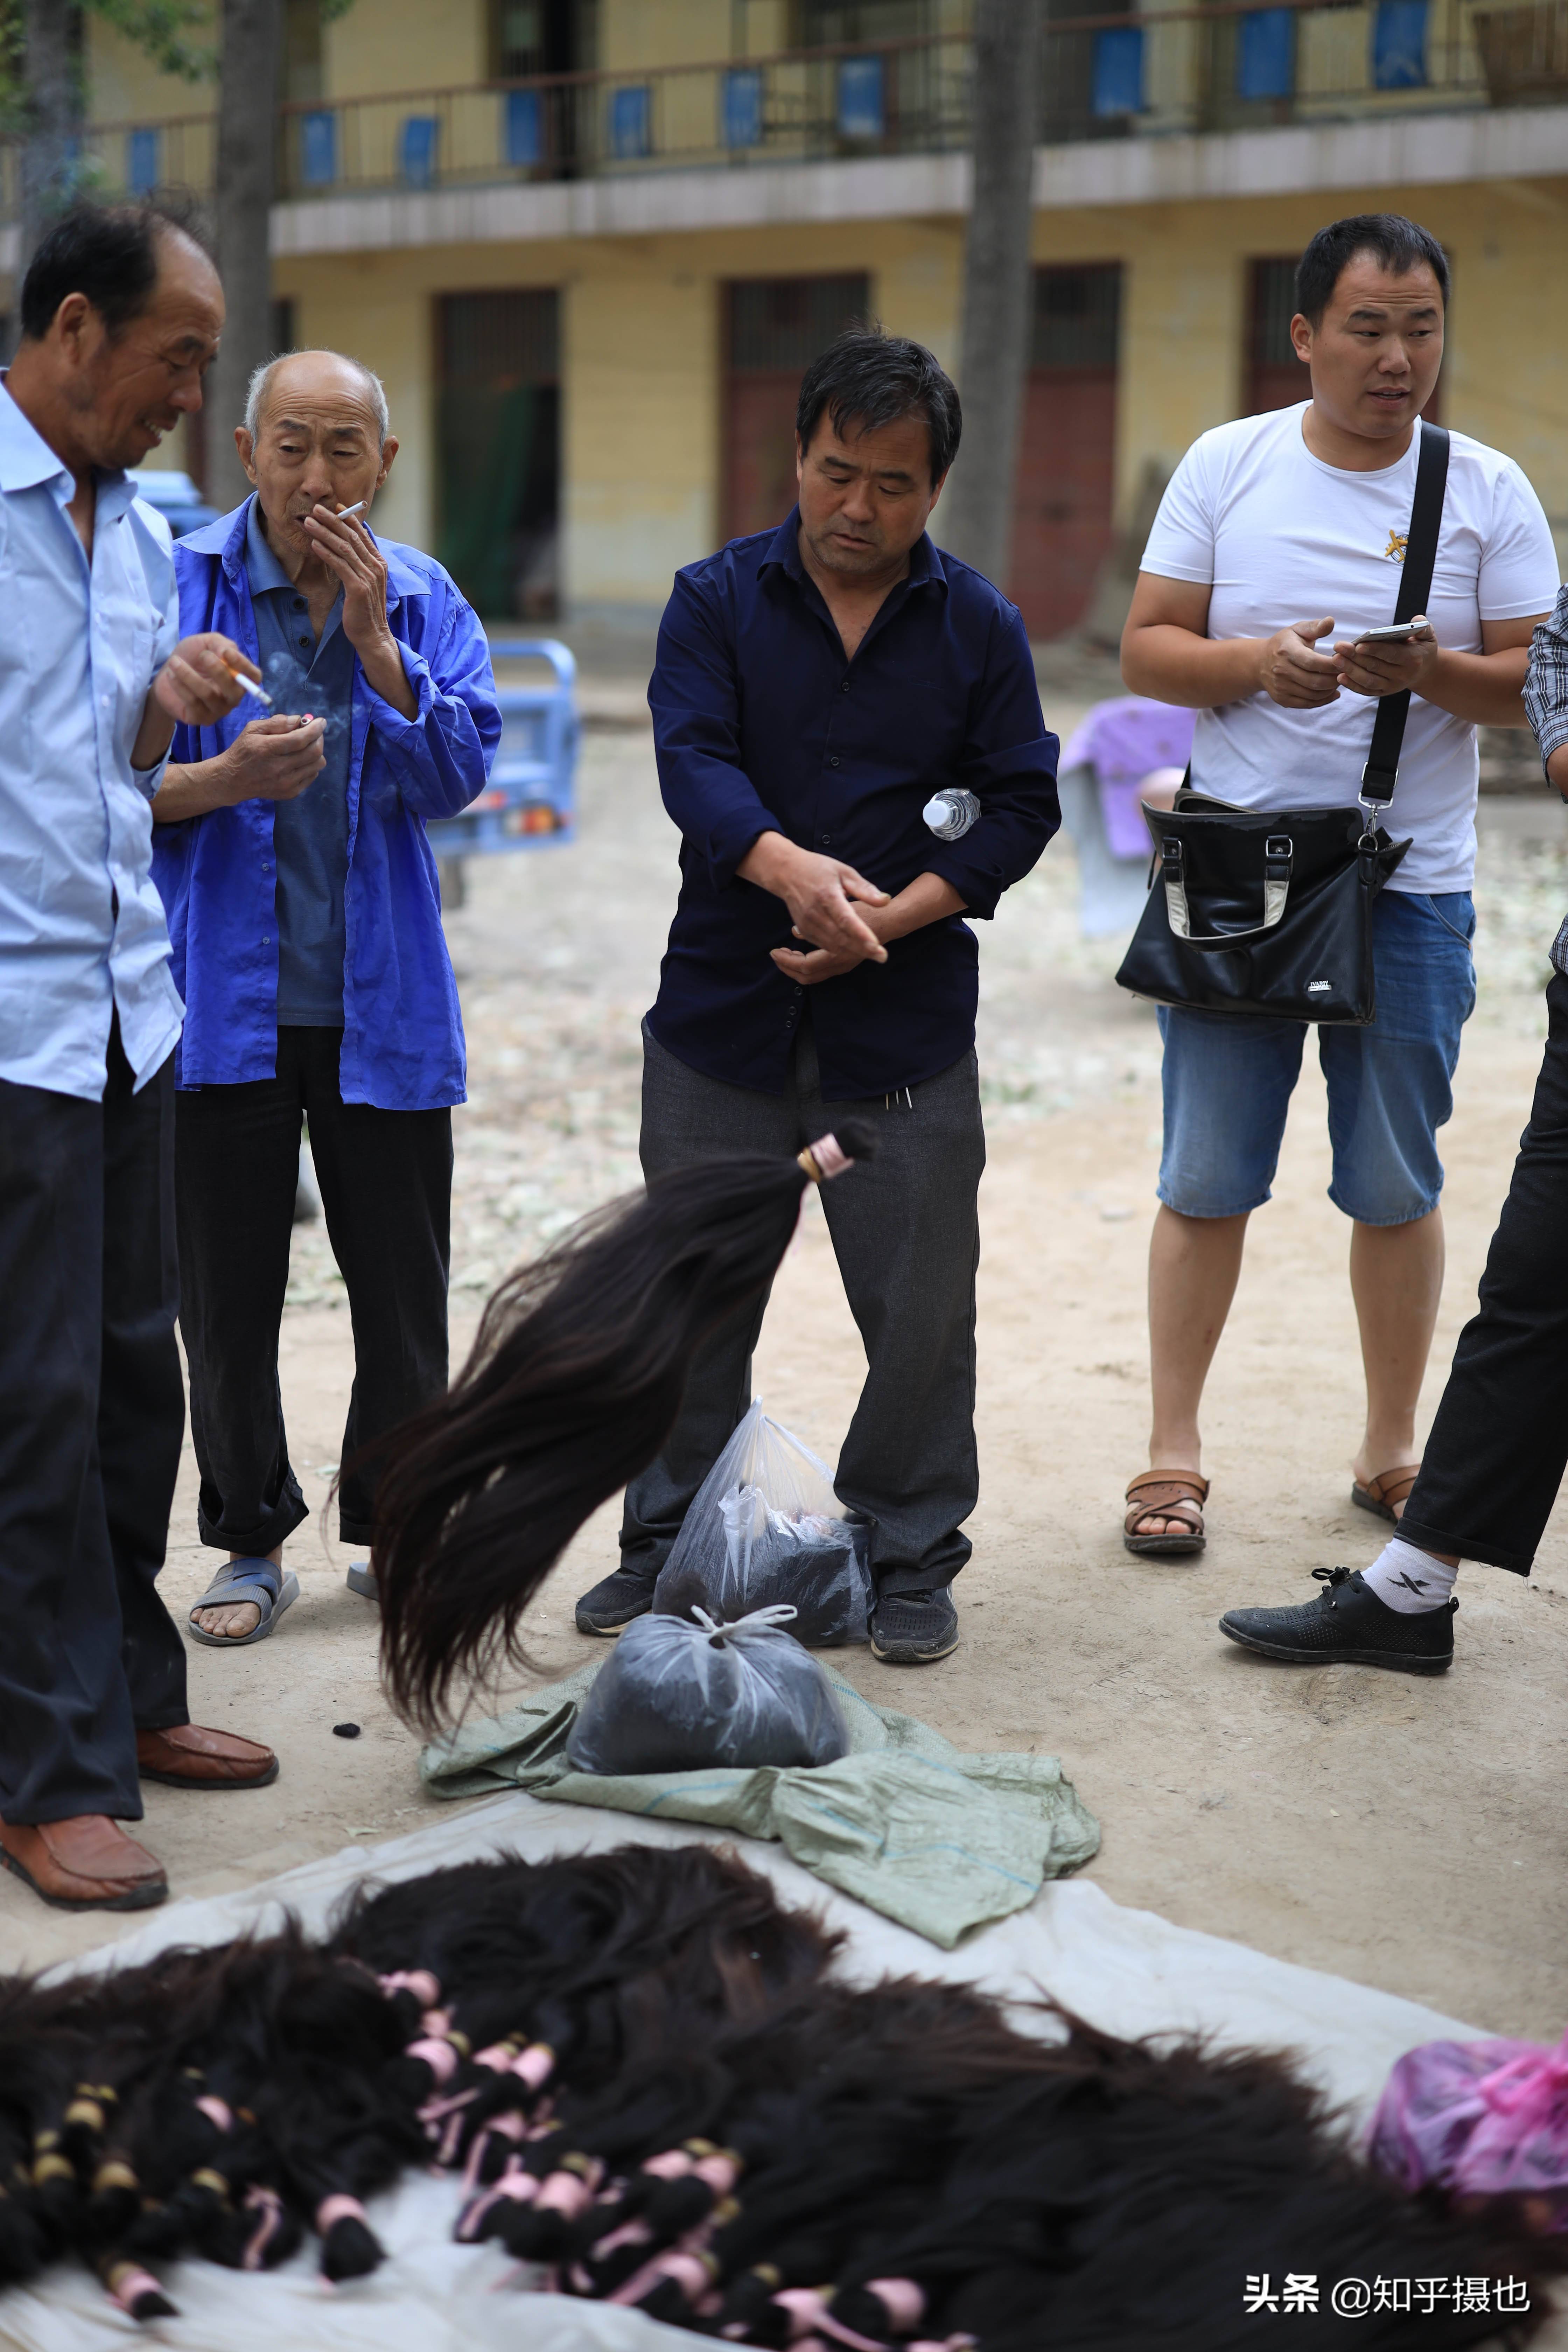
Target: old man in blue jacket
305, 916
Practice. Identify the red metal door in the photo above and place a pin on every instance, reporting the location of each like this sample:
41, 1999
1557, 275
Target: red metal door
774, 327
1063, 529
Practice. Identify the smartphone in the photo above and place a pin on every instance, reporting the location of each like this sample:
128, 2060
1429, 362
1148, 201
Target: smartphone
1399, 634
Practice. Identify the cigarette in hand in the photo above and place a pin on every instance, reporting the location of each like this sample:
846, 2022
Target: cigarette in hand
357, 508
249, 684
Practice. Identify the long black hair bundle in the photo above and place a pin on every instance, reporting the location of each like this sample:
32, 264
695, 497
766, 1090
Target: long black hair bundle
652, 2084
572, 1385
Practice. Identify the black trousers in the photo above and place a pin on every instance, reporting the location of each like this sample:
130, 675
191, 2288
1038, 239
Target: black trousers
1498, 1447
91, 1415
385, 1178
906, 1233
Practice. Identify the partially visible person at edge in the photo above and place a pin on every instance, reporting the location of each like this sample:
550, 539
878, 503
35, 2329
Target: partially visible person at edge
1498, 1447
814, 686
120, 314
1277, 543
306, 919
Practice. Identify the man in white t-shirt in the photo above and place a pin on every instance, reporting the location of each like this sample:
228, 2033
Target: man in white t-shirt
1305, 511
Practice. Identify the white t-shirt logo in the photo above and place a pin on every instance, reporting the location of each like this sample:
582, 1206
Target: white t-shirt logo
1272, 532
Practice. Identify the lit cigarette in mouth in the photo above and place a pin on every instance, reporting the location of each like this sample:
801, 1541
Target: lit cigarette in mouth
249, 685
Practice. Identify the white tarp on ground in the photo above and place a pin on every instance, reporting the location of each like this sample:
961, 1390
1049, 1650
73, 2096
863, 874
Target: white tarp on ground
1126, 1971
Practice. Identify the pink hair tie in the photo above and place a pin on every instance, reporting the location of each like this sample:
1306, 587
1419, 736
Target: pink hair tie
130, 2285
824, 1159
533, 2066
218, 2112
270, 2206
425, 1989
902, 2300
804, 2305
630, 2233
439, 2056
842, 2334
567, 2193
720, 2172
333, 2209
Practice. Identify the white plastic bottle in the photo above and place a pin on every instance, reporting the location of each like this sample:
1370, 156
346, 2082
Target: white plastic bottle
951, 812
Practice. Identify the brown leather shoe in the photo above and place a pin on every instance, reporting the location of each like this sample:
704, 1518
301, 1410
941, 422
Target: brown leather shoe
86, 1863
189, 1757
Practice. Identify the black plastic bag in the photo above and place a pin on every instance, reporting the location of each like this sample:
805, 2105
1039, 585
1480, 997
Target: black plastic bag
676, 1695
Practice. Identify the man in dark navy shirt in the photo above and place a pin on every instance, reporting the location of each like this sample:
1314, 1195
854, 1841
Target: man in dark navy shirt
815, 687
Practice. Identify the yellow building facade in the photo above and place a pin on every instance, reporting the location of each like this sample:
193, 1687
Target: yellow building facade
688, 148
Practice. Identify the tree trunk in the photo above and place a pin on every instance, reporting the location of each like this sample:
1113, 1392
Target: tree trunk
250, 69
49, 159
977, 523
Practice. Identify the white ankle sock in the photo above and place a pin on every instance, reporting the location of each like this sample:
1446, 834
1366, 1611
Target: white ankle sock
1409, 1580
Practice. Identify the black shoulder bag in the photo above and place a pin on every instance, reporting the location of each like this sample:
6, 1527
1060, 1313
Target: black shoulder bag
1270, 911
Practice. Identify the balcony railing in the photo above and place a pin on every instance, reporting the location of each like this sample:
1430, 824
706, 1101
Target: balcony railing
1220, 66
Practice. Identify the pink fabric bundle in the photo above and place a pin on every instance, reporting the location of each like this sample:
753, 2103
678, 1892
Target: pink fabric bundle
1478, 2119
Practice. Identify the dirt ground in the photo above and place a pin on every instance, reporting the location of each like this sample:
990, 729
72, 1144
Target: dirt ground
1407, 1833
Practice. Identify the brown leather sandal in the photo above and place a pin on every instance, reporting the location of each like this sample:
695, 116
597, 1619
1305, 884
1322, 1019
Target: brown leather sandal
1380, 1495
1166, 1495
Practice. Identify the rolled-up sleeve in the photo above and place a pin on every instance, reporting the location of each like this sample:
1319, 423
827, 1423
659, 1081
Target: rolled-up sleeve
440, 758
1009, 763
1546, 681
695, 700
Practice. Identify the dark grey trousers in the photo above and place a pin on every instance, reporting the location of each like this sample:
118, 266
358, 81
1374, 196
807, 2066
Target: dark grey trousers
905, 1231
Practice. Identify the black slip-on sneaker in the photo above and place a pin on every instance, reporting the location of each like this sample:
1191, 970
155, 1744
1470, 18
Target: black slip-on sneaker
913, 1629
615, 1602
1347, 1626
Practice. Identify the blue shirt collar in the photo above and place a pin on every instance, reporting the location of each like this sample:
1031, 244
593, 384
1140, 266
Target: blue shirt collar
26, 460
229, 538
262, 566
783, 549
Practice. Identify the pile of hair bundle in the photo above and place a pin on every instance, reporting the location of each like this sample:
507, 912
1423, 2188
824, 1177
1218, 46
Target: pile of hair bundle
653, 2086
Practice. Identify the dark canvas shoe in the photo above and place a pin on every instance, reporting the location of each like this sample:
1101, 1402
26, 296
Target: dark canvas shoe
616, 1600
1347, 1626
913, 1629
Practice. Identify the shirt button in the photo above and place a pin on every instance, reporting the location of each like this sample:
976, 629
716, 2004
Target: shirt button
844, 688
266, 943
827, 840
304, 644
834, 762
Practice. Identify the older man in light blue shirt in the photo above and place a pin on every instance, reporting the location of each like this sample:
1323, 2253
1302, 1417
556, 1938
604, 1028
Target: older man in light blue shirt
120, 312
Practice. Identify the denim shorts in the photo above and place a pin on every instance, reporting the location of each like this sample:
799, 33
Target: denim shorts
1227, 1079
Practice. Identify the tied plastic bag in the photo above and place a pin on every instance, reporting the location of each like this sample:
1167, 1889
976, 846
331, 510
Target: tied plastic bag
1478, 2119
767, 1531
675, 1696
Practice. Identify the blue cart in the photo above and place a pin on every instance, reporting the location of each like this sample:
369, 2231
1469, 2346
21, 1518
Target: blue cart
529, 801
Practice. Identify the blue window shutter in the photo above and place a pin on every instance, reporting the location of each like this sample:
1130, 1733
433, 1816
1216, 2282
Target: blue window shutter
629, 122
743, 107
524, 137
419, 143
861, 111
1399, 45
142, 161
1265, 54
318, 147
1117, 87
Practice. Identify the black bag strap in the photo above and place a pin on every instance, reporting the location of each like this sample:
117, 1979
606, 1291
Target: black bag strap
1381, 773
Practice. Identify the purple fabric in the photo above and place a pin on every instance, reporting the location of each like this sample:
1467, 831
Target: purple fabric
1478, 2118
1122, 740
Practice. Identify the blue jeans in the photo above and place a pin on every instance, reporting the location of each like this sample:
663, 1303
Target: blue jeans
1227, 1079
